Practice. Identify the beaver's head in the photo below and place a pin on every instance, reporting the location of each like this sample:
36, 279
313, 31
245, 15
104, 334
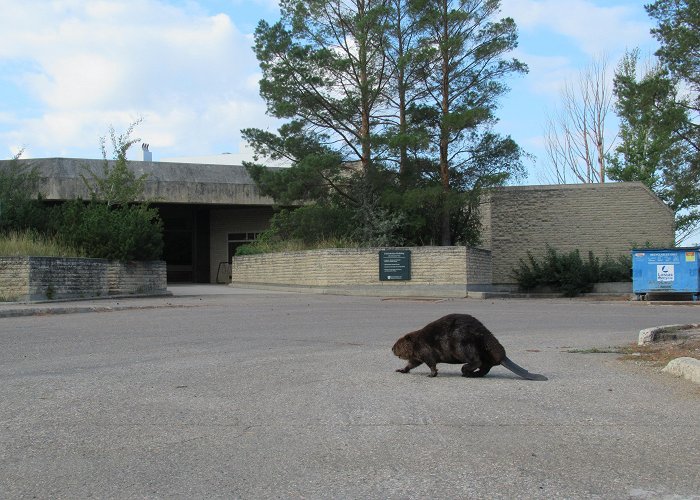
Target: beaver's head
403, 348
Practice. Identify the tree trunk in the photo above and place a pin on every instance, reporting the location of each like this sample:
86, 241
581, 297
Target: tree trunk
445, 236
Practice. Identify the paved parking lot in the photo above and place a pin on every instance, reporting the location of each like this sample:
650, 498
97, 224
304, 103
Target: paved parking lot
266, 395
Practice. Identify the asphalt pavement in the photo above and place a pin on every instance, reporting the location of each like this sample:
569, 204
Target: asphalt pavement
215, 392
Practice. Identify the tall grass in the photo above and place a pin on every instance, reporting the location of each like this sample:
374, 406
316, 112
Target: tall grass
18, 243
265, 245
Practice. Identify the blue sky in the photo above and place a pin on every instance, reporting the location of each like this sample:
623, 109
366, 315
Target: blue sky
71, 68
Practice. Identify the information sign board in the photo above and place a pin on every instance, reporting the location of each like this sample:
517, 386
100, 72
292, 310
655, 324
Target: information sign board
394, 265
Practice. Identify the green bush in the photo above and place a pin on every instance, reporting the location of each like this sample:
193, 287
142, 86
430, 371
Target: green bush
569, 273
129, 232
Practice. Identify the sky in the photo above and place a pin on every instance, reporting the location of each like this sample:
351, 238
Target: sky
70, 69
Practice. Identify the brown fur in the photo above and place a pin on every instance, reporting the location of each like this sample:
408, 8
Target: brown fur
456, 338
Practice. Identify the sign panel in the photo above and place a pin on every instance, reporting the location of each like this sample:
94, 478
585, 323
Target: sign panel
394, 265
665, 272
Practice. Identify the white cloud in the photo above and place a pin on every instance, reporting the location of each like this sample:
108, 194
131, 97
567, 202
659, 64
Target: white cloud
595, 29
87, 65
547, 74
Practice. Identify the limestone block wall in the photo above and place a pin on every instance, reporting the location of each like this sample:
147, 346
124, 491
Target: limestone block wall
604, 218
479, 270
56, 278
48, 278
138, 277
14, 277
438, 270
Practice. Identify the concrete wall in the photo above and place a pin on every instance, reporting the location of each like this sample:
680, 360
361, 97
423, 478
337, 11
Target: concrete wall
606, 219
167, 182
435, 271
232, 220
47, 278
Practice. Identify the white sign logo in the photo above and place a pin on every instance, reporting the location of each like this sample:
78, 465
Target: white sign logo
665, 272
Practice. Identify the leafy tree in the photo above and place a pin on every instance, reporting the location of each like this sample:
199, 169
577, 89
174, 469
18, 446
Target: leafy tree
323, 66
403, 138
651, 150
659, 112
324, 69
678, 31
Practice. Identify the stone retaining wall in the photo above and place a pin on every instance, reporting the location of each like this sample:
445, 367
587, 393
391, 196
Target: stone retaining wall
48, 278
435, 271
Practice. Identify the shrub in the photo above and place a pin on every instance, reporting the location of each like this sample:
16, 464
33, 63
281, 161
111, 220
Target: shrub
130, 232
619, 269
569, 273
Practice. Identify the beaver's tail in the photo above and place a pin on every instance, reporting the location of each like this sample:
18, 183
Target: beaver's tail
520, 371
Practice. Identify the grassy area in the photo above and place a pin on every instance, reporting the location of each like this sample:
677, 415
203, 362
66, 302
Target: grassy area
265, 246
654, 354
34, 244
661, 353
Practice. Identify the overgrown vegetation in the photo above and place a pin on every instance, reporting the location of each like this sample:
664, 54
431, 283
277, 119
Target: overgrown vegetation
116, 223
568, 273
265, 244
18, 243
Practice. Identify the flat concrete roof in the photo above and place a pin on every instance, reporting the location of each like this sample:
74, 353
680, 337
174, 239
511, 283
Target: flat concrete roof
167, 182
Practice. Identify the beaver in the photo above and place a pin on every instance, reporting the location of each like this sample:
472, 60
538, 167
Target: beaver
456, 338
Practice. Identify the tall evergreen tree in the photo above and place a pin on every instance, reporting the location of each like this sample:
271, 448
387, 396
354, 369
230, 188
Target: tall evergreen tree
324, 67
463, 75
361, 83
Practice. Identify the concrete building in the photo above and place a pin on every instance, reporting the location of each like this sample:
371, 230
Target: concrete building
209, 210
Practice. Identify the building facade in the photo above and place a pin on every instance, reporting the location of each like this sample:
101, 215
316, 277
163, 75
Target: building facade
208, 210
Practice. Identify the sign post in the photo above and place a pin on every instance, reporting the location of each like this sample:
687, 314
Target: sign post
394, 265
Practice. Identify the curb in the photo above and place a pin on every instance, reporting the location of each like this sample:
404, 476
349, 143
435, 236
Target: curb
65, 306
667, 332
685, 367
50, 311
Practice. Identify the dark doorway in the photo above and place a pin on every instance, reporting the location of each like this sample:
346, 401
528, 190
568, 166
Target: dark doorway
186, 238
